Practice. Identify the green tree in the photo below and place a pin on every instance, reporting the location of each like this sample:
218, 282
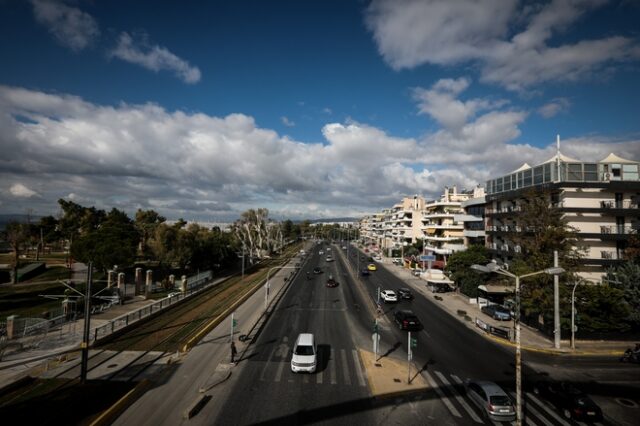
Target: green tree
113, 242
16, 234
627, 279
146, 222
459, 269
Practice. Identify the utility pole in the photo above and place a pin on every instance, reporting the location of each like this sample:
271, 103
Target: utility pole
556, 304
87, 318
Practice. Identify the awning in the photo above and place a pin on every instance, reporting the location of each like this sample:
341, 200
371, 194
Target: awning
439, 281
496, 289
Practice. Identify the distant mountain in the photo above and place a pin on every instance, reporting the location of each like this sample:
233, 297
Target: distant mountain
21, 218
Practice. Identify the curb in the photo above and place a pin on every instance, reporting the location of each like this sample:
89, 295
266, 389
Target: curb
108, 416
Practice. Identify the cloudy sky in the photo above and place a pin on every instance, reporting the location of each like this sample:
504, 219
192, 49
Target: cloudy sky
312, 109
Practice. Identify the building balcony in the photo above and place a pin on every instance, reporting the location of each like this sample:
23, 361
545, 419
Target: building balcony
441, 238
456, 226
473, 233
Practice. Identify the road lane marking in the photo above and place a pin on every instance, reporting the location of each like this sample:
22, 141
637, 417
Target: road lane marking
538, 415
442, 395
459, 398
332, 367
356, 361
345, 367
547, 409
266, 364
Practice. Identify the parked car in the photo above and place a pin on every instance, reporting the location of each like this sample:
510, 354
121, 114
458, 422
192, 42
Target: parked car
497, 312
492, 400
317, 270
332, 282
329, 259
372, 267
572, 402
440, 287
365, 272
416, 272
389, 296
405, 294
407, 320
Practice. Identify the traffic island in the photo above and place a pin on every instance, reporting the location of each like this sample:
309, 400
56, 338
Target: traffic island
389, 377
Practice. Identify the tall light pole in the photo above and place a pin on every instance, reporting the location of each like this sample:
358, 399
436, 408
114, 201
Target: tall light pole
266, 287
573, 315
494, 267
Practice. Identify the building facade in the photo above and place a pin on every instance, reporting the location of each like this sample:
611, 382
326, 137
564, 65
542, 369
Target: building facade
599, 199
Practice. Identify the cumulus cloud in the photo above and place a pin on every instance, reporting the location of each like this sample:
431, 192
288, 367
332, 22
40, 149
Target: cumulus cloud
70, 26
511, 42
555, 107
197, 166
19, 190
154, 58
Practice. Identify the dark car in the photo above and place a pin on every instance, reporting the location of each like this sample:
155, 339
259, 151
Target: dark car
442, 288
497, 312
407, 320
331, 282
365, 272
573, 403
317, 270
405, 294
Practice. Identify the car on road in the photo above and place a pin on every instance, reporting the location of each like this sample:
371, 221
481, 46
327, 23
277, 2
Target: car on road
304, 357
572, 402
331, 282
492, 400
397, 261
365, 272
405, 294
329, 259
372, 267
320, 252
317, 270
407, 320
389, 296
497, 312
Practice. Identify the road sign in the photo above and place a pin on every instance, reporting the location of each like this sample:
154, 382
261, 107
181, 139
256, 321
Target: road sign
427, 258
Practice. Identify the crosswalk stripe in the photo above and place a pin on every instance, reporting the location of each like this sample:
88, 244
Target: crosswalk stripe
345, 367
319, 373
279, 371
332, 367
547, 409
443, 397
356, 362
266, 364
538, 415
458, 398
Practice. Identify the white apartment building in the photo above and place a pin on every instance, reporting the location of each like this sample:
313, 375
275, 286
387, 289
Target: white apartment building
473, 218
600, 199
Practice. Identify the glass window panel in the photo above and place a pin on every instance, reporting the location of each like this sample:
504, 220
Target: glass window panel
537, 175
590, 172
547, 172
527, 178
575, 172
520, 179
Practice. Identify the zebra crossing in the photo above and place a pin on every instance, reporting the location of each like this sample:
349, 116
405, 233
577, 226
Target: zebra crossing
342, 367
449, 389
335, 367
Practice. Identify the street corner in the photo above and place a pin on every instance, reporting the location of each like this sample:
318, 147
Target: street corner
389, 378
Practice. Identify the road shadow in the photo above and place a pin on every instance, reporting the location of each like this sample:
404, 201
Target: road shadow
391, 350
324, 355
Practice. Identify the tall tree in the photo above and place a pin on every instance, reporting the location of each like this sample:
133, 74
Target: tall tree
146, 222
17, 235
459, 269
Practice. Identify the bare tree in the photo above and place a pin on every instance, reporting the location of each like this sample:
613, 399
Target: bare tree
16, 235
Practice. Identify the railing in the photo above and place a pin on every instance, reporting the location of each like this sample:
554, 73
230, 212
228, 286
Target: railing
617, 229
607, 255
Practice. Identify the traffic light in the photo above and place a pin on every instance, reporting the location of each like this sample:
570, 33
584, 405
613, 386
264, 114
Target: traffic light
414, 342
375, 327
235, 322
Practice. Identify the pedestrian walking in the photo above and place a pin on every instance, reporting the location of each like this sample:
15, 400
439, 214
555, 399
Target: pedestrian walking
234, 352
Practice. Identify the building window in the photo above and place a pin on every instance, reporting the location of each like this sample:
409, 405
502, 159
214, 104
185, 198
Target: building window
520, 179
537, 175
527, 178
629, 172
575, 172
547, 172
591, 172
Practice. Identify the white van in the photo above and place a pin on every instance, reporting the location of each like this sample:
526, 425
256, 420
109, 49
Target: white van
305, 354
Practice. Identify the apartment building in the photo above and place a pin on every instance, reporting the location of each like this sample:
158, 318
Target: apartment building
473, 218
443, 223
599, 199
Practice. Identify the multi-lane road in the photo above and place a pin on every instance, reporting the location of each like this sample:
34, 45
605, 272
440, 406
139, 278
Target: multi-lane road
263, 390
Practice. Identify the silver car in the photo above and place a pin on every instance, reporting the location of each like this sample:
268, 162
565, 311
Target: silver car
492, 400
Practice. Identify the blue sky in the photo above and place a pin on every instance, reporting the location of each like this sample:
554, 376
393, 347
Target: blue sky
312, 109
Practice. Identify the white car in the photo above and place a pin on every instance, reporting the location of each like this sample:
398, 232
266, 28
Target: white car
389, 296
304, 356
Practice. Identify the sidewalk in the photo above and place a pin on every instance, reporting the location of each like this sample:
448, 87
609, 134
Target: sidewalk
531, 340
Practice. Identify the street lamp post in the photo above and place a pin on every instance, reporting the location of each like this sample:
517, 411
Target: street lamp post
573, 316
266, 287
494, 267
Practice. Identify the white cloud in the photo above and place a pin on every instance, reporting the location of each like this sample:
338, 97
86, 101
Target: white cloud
512, 43
555, 107
327, 110
287, 122
198, 166
154, 58
70, 26
19, 190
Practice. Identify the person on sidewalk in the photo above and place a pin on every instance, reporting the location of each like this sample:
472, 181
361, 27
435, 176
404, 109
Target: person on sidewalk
234, 352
